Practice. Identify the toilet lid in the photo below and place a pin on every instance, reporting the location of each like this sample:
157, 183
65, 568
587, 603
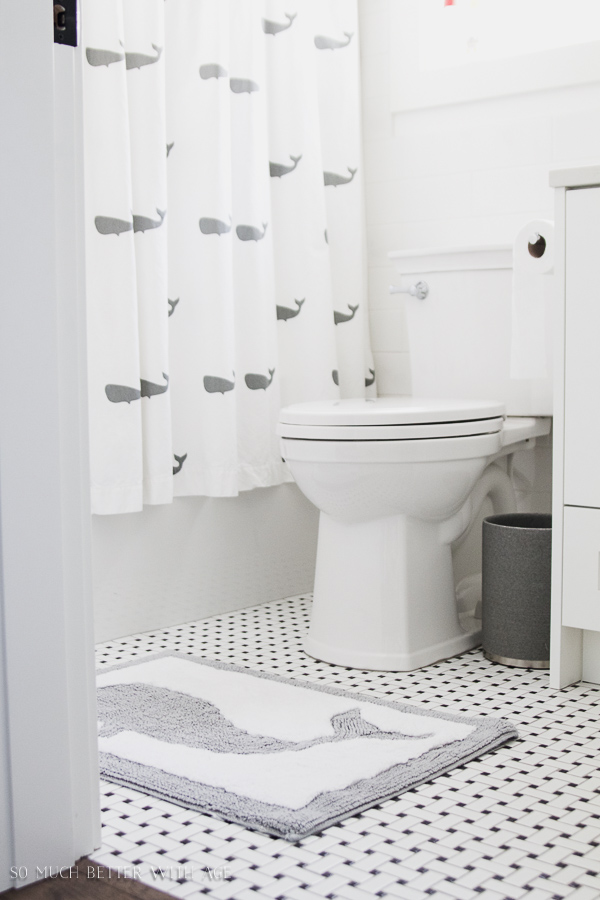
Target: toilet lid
390, 418
389, 411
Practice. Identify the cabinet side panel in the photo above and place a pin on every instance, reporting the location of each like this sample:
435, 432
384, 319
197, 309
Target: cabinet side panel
565, 647
582, 349
581, 568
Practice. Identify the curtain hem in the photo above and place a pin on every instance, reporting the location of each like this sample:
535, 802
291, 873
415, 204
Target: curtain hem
231, 482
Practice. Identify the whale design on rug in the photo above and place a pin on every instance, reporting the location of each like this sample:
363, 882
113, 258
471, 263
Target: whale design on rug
284, 312
276, 170
243, 85
170, 147
144, 223
106, 58
214, 226
274, 28
111, 225
250, 233
212, 70
137, 60
339, 317
172, 305
275, 754
322, 42
150, 389
200, 724
332, 179
257, 382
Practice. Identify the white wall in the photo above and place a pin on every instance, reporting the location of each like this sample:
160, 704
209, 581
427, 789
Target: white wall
201, 556
451, 176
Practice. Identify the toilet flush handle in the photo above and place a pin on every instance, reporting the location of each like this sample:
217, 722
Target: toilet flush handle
420, 290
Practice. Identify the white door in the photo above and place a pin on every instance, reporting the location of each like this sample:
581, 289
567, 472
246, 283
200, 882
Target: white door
49, 809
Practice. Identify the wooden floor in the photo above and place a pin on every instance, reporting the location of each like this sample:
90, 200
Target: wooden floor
106, 884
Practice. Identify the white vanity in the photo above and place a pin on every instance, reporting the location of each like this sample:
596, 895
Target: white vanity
575, 643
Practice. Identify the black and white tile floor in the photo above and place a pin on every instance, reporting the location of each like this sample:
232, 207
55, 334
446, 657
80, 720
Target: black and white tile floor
521, 822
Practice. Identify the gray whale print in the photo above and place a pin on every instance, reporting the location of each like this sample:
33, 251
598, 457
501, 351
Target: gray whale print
110, 225
103, 57
368, 381
243, 86
137, 60
215, 385
259, 382
250, 233
170, 147
332, 179
276, 170
180, 462
172, 305
212, 70
149, 389
344, 317
275, 27
120, 393
284, 312
214, 226
327, 43
143, 223
153, 711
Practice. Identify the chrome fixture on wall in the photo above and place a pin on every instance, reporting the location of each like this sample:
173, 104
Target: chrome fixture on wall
420, 290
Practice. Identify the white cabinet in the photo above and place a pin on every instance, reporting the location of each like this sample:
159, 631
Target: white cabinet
581, 568
576, 465
582, 348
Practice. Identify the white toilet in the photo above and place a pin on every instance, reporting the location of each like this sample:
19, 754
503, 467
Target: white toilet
398, 480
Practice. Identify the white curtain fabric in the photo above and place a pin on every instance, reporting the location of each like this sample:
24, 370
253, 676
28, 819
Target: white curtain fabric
225, 237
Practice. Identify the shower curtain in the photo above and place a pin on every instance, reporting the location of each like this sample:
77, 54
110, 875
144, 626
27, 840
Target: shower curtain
225, 237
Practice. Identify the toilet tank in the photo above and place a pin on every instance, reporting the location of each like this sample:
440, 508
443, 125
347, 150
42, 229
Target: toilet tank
460, 335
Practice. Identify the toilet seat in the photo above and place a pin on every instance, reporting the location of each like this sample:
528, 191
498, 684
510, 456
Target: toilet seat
390, 419
475, 446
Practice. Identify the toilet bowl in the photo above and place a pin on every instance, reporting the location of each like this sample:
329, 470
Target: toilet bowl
393, 479
399, 480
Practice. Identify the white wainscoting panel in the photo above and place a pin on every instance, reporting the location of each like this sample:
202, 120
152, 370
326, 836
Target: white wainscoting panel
201, 556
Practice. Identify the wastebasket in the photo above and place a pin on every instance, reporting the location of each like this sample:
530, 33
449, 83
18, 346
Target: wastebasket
515, 596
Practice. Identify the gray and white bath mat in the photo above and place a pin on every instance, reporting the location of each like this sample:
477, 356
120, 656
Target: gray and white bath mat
280, 756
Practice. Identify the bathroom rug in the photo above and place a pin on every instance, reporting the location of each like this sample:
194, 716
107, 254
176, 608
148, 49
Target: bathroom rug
281, 756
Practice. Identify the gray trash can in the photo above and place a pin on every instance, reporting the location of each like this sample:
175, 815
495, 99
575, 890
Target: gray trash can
515, 595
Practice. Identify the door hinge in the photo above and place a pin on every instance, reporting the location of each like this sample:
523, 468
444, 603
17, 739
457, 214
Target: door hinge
65, 22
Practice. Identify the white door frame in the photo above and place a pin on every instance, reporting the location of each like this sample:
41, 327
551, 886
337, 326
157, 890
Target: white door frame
49, 805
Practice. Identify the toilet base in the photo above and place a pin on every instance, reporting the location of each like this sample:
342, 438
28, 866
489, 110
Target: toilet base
392, 662
384, 596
